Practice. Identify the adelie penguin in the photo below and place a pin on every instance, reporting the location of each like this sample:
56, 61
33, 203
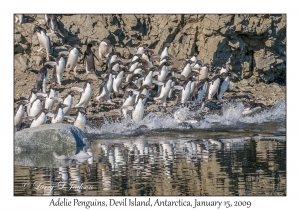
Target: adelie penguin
51, 22
50, 98
106, 87
41, 118
105, 47
19, 18
213, 86
186, 91
129, 99
111, 58
118, 80
80, 120
200, 90
19, 113
59, 66
224, 69
31, 98
44, 40
165, 51
36, 106
187, 70
224, 85
165, 88
252, 108
42, 77
86, 93
88, 59
58, 114
72, 63
139, 108
68, 100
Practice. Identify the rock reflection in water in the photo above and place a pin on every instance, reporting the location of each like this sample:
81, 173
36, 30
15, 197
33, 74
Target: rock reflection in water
162, 166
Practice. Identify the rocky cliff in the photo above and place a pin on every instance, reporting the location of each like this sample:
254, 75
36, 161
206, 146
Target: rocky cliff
254, 46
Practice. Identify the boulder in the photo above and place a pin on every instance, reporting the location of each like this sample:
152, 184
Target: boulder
60, 138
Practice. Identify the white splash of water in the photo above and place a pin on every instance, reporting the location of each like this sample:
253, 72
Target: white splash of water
231, 115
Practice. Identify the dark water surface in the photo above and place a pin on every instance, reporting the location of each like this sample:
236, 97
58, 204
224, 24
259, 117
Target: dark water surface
229, 162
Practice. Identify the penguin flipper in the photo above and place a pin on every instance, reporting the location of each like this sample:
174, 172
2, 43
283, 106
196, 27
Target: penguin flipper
64, 53
57, 99
127, 107
51, 63
69, 118
95, 57
77, 89
51, 34
157, 82
49, 114
177, 87
41, 94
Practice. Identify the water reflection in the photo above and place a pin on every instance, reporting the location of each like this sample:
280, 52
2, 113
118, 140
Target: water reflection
156, 165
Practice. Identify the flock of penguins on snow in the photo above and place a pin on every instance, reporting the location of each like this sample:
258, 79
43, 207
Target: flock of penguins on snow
139, 79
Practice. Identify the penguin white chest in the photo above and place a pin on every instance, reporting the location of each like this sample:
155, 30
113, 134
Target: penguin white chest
163, 74
19, 115
59, 117
68, 101
148, 79
187, 69
186, 92
35, 108
213, 88
80, 121
44, 41
138, 112
86, 95
73, 58
201, 92
39, 121
61, 66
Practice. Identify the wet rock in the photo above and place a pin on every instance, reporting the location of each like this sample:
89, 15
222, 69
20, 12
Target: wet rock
57, 137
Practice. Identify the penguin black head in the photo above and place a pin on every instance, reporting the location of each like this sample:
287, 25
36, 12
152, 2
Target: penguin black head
34, 90
52, 87
81, 110
167, 58
136, 76
167, 45
174, 69
38, 29
195, 54
62, 105
154, 68
22, 102
77, 46
130, 92
89, 46
189, 61
46, 65
41, 98
89, 80
46, 111
145, 46
72, 93
224, 66
199, 62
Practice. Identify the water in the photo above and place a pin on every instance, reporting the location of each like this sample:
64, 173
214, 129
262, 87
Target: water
221, 155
